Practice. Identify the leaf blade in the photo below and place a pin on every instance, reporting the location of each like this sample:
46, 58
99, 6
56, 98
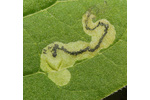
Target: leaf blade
47, 31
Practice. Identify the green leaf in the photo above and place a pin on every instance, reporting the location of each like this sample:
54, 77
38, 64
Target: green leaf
48, 21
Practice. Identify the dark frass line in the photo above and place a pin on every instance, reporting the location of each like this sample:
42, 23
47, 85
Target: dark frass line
56, 46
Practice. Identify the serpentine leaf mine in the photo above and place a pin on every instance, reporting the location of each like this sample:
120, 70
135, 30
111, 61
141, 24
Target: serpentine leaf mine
57, 57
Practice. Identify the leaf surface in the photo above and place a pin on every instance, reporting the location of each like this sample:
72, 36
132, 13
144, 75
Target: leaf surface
61, 20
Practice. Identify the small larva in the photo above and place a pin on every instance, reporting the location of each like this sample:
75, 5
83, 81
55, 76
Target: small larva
57, 57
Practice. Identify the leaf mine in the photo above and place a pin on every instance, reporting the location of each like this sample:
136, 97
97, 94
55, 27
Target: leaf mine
57, 57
